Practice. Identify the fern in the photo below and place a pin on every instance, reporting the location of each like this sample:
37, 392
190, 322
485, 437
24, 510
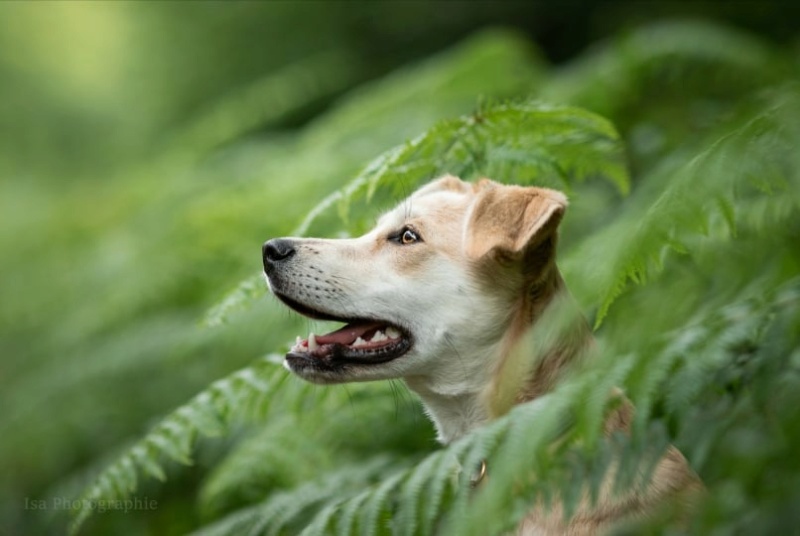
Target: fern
280, 454
705, 187
613, 77
550, 144
512, 439
288, 508
688, 268
210, 413
574, 411
512, 442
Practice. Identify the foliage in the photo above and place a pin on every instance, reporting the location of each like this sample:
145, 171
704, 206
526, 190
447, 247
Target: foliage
683, 253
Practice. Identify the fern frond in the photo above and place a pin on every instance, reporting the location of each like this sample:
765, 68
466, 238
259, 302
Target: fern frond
280, 454
739, 410
418, 503
495, 63
705, 187
236, 299
348, 522
398, 498
612, 77
209, 414
322, 520
552, 145
290, 509
522, 462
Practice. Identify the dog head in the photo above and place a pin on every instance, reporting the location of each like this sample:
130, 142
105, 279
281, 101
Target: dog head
429, 292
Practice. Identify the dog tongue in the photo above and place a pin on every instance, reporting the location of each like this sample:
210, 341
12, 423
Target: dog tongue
349, 333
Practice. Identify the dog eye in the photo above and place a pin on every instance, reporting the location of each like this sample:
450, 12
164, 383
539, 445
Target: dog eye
406, 236
409, 237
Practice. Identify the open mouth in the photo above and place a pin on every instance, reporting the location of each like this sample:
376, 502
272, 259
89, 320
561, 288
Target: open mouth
360, 341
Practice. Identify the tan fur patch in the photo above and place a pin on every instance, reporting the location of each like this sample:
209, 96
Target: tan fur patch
509, 219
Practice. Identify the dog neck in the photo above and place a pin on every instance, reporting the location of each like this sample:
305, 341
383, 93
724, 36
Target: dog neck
453, 415
525, 364
452, 391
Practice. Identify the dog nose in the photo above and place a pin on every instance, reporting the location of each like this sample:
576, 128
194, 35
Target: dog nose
276, 250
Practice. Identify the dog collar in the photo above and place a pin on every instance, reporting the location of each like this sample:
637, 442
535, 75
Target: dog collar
478, 476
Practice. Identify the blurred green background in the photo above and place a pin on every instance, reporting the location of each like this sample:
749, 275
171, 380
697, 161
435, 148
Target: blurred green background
147, 149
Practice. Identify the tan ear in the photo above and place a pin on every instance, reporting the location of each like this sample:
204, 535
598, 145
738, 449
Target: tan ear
510, 220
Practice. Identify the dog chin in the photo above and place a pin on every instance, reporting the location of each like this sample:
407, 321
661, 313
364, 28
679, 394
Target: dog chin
314, 372
312, 375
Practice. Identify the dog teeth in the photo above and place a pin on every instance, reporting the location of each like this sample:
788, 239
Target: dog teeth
378, 337
312, 345
299, 345
312, 342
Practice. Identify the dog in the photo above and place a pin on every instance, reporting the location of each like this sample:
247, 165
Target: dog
441, 293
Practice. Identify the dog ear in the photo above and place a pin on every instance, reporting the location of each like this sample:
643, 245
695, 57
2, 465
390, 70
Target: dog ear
508, 222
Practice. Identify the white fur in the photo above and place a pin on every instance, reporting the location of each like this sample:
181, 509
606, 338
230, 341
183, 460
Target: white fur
453, 322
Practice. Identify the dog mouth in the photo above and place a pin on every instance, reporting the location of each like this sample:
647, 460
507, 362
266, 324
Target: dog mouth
361, 341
